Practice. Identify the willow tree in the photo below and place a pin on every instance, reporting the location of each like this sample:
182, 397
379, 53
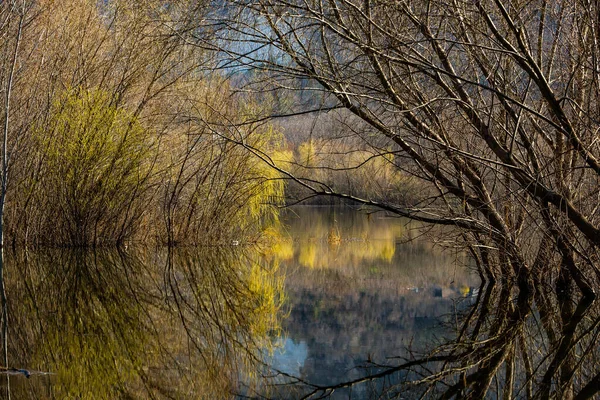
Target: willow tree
493, 105
109, 122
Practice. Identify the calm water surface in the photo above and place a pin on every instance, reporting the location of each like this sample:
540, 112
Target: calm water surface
196, 323
361, 288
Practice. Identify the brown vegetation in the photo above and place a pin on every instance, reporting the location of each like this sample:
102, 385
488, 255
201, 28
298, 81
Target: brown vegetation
114, 131
325, 149
493, 107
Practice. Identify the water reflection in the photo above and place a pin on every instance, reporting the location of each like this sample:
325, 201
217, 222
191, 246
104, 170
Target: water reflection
416, 326
142, 325
370, 295
332, 237
506, 345
369, 315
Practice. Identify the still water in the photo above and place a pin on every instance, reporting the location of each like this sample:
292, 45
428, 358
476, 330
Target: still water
360, 289
337, 291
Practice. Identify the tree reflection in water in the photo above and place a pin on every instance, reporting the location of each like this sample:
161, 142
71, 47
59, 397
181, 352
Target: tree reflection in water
186, 324
511, 343
180, 324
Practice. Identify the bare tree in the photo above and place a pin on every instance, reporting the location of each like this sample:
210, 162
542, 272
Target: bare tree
492, 104
14, 15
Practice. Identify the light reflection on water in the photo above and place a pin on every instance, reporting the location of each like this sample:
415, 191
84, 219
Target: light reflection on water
363, 297
183, 324
289, 356
190, 323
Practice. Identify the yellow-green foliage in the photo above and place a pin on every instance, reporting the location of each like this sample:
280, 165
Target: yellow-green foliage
268, 187
214, 188
307, 154
282, 158
101, 177
130, 151
95, 162
351, 168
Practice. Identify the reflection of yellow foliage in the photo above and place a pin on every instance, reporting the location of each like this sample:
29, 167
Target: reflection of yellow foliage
284, 250
308, 254
333, 237
375, 250
274, 243
267, 291
317, 232
387, 251
464, 290
195, 338
318, 254
89, 361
